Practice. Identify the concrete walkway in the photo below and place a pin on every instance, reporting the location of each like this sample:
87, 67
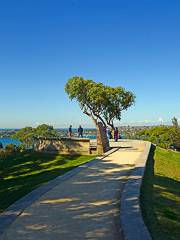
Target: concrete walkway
85, 206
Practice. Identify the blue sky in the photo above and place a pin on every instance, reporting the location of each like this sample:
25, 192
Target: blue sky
134, 44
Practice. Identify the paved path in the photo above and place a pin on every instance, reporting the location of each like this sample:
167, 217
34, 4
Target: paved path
86, 206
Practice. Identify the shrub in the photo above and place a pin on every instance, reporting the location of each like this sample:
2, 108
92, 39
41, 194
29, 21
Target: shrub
21, 148
3, 154
163, 136
11, 148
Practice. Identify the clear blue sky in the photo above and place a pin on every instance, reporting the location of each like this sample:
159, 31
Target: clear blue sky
135, 44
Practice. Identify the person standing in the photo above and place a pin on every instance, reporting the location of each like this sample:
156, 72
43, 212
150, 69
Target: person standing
70, 131
116, 134
109, 133
80, 131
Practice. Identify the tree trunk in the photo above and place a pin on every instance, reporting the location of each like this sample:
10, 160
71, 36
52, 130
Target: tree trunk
102, 140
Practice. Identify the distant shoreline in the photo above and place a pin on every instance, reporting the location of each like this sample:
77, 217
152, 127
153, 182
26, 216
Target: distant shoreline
88, 128
9, 129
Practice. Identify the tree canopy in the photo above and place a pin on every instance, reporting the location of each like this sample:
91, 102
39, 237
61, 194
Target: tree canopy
175, 122
27, 134
163, 136
100, 102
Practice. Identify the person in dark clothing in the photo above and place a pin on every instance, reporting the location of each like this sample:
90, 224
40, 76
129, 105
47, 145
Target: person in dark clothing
70, 131
80, 131
1, 146
109, 133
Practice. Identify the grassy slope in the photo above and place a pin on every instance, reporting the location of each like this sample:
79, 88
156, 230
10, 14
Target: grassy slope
21, 173
160, 196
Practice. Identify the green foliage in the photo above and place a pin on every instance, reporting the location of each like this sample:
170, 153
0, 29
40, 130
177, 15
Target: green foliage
3, 154
100, 102
175, 122
163, 136
27, 134
11, 148
175, 135
21, 148
45, 130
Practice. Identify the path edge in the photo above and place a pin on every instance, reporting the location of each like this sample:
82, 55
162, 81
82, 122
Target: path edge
131, 218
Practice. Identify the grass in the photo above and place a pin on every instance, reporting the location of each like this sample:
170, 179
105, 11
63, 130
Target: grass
160, 194
22, 172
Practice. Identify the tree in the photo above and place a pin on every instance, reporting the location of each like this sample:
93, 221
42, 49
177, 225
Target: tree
175, 136
101, 103
163, 136
175, 122
26, 135
45, 130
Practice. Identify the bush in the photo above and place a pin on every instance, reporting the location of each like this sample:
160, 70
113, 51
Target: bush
163, 136
26, 135
11, 148
3, 154
21, 148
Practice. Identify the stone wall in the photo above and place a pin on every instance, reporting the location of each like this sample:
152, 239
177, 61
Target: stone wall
73, 146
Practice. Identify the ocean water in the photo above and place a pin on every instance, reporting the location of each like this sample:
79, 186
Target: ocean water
6, 141
91, 137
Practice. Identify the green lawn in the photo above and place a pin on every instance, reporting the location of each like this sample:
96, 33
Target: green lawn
160, 194
23, 172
